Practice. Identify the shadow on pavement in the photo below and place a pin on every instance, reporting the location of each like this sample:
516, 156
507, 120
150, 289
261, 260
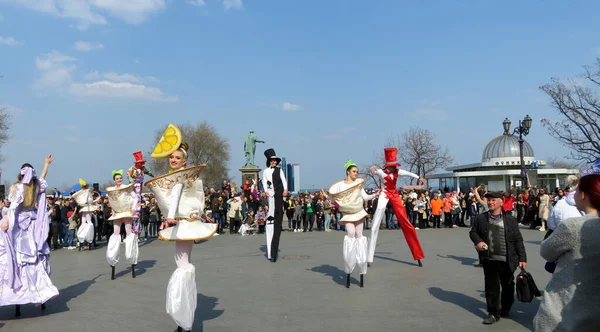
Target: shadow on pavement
474, 306
205, 311
141, 268
463, 260
53, 306
338, 276
395, 260
520, 312
146, 242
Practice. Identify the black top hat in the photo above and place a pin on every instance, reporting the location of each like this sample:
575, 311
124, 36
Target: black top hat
270, 154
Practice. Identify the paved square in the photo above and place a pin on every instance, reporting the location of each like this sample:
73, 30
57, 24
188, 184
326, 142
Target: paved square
239, 290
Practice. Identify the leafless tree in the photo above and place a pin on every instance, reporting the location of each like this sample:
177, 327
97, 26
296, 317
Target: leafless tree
4, 126
206, 146
578, 105
419, 153
569, 164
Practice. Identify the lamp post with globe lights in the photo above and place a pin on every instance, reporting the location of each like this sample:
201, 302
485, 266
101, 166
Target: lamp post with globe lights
522, 130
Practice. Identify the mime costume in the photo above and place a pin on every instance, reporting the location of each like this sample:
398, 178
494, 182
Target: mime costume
274, 184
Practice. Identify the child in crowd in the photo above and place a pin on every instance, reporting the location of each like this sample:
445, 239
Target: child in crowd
260, 219
72, 217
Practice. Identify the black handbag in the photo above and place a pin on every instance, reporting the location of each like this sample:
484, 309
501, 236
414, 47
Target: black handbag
526, 287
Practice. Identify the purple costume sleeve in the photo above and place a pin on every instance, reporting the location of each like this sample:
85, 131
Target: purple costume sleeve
41, 227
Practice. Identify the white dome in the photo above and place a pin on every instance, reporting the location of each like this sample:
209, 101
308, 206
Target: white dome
505, 146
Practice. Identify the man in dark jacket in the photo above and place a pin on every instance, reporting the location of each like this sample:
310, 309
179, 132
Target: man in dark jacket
500, 245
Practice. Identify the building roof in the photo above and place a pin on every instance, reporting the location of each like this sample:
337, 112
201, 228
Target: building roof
505, 146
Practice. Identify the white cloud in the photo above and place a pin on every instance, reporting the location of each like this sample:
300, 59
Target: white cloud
287, 106
119, 90
84, 46
196, 2
85, 12
233, 4
57, 71
10, 41
115, 77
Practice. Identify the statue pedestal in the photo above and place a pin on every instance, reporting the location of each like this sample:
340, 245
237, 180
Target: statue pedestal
249, 173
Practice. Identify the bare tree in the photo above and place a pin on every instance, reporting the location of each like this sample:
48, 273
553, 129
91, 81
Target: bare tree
419, 153
4, 126
206, 146
579, 107
569, 164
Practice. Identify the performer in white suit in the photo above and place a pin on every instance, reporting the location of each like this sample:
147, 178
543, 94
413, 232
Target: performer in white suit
389, 192
350, 196
275, 187
123, 201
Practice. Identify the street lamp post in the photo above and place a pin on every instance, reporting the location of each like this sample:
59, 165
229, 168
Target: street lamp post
522, 130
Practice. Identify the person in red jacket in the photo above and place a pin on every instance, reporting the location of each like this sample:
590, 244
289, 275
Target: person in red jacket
389, 193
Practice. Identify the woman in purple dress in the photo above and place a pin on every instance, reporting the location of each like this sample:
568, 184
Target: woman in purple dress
24, 252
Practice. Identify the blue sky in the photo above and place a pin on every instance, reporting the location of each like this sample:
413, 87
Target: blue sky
320, 81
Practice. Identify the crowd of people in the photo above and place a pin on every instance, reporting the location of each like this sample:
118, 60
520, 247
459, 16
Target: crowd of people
244, 212
569, 216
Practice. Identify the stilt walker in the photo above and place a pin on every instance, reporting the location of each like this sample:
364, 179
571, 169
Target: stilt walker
350, 196
135, 175
123, 202
275, 186
24, 252
180, 194
389, 193
88, 205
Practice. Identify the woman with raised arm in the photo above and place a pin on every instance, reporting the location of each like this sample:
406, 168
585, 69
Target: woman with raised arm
24, 252
180, 193
350, 196
123, 201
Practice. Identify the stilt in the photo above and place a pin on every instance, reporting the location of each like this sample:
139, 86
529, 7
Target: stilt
420, 264
112, 272
362, 281
347, 280
133, 270
80, 245
18, 310
179, 329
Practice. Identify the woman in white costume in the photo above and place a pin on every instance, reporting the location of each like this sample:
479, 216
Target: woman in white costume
87, 207
123, 202
181, 194
350, 196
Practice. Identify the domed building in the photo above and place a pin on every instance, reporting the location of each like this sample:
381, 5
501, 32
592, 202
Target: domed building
500, 168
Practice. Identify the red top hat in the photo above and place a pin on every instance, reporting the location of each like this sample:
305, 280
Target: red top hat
390, 157
138, 157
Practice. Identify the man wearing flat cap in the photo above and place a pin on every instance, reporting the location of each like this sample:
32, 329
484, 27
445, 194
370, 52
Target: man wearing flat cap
500, 245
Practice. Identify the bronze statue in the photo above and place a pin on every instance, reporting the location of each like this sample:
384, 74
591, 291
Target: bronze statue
250, 148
